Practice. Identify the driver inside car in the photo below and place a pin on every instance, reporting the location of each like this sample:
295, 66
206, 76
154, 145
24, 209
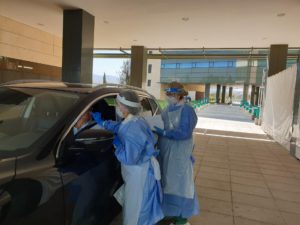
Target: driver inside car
84, 121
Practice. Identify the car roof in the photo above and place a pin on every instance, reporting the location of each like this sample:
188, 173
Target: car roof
65, 86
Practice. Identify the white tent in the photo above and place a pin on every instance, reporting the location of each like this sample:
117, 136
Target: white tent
279, 106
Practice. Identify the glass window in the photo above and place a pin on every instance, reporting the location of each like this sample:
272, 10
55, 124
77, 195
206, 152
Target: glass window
241, 63
149, 68
33, 112
170, 66
219, 64
230, 63
251, 63
185, 65
202, 64
110, 101
155, 108
149, 83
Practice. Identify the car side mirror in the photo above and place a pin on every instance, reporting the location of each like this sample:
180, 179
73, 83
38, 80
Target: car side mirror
93, 140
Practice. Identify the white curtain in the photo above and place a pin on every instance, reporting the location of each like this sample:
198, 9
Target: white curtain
278, 107
297, 135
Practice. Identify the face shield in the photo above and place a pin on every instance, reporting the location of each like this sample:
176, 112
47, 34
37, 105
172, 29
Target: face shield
173, 91
126, 105
124, 101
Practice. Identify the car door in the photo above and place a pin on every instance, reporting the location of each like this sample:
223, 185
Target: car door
7, 168
90, 177
35, 194
31, 123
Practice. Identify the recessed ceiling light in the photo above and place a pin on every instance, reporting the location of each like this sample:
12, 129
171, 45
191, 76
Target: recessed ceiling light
185, 19
106, 22
281, 14
135, 40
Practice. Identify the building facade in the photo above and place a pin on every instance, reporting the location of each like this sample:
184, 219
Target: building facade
196, 74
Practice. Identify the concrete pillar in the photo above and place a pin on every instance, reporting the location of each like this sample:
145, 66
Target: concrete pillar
218, 93
252, 94
138, 66
245, 92
223, 93
256, 95
207, 91
78, 46
277, 59
230, 93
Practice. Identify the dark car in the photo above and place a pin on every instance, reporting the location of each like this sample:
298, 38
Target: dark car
49, 174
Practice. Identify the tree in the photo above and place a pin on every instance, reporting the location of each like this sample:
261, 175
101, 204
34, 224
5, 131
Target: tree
104, 79
125, 72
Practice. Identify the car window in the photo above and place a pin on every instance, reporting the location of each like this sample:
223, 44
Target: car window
26, 114
84, 121
106, 106
146, 107
154, 106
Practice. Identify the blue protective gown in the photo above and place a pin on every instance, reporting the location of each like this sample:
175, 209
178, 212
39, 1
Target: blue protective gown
140, 172
176, 161
112, 126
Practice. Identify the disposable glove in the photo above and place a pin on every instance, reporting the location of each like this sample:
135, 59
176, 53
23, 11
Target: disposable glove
97, 118
160, 131
117, 143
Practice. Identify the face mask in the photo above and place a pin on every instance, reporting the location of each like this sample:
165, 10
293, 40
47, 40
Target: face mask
119, 113
172, 100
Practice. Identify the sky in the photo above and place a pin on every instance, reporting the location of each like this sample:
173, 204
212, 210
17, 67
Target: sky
111, 67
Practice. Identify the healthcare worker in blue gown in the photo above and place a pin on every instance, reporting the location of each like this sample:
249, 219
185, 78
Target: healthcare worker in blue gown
141, 194
180, 199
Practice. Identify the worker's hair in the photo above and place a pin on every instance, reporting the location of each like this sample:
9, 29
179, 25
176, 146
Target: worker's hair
178, 85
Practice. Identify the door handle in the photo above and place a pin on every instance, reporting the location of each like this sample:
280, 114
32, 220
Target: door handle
5, 198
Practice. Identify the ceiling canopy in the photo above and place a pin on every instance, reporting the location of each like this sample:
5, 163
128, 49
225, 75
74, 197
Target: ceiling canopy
170, 23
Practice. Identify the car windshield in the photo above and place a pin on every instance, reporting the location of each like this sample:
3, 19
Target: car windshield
26, 114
